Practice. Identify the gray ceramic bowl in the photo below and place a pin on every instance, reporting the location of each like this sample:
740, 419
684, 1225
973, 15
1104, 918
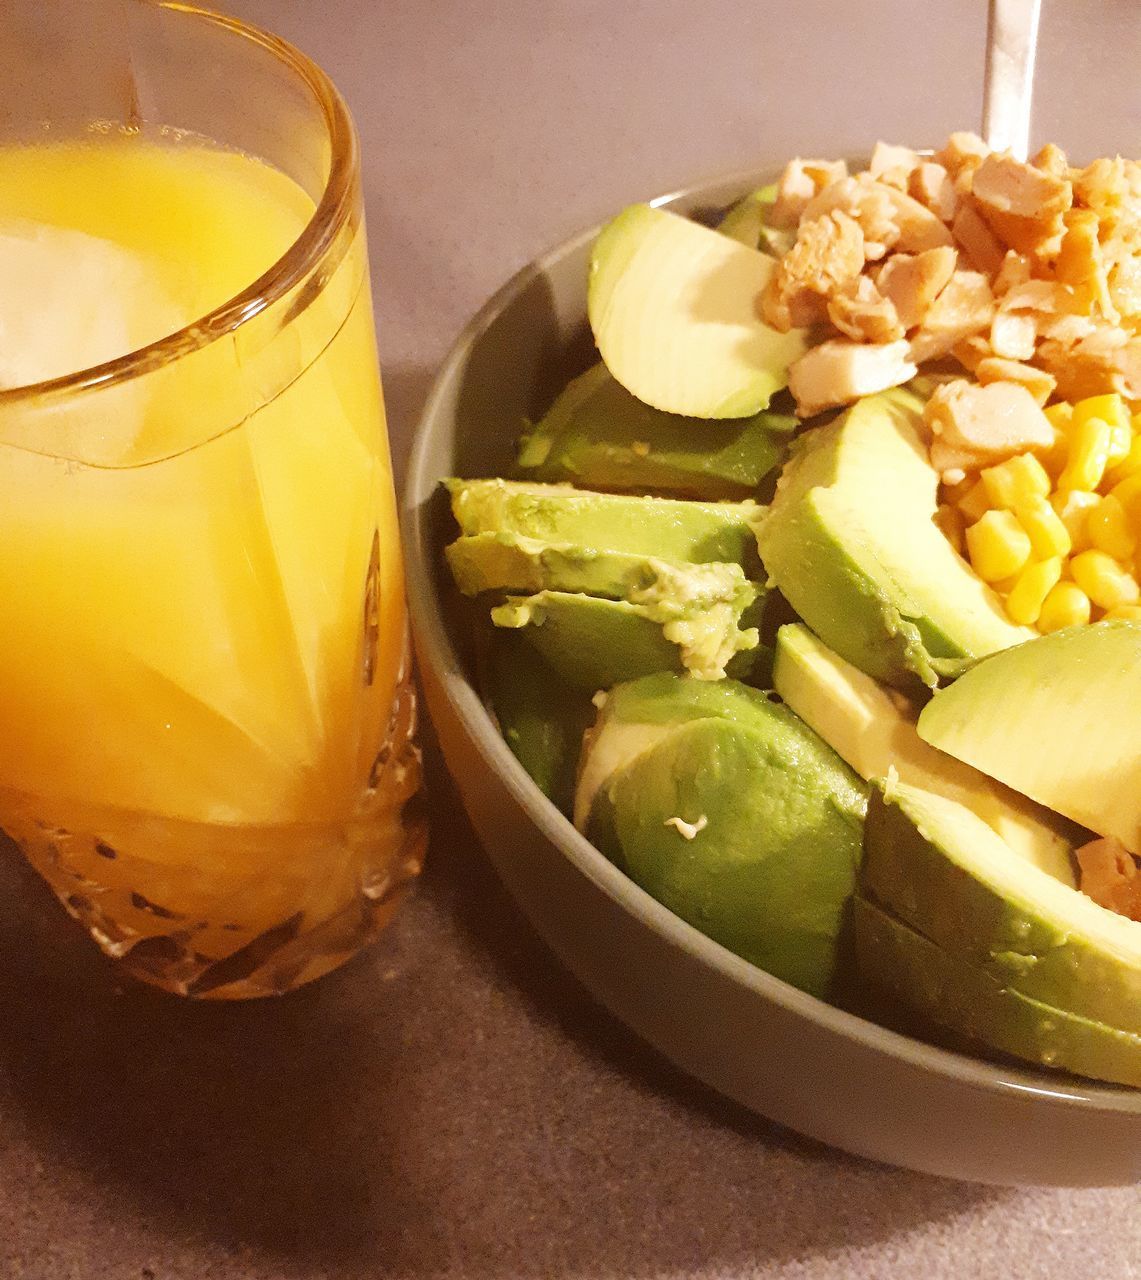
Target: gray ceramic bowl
827, 1073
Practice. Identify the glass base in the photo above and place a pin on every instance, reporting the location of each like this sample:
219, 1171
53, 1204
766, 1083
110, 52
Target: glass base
226, 912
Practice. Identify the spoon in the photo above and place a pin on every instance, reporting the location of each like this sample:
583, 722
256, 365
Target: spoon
1012, 40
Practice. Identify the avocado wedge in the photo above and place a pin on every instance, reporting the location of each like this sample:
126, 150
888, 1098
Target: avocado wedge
598, 435
963, 998
851, 542
943, 871
594, 643
666, 528
541, 717
872, 727
511, 562
731, 812
748, 222
1057, 719
673, 307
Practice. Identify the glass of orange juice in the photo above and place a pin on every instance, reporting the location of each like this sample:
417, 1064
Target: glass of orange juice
206, 722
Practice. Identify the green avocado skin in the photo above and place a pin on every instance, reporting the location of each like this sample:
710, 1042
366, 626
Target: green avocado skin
770, 874
541, 717
598, 435
670, 529
911, 868
964, 998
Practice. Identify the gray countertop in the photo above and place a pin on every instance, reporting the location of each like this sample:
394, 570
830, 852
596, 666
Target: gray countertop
452, 1104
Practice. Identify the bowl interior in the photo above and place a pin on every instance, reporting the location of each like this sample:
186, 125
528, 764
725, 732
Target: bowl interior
507, 366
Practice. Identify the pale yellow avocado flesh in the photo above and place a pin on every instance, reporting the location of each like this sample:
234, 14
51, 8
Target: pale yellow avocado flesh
674, 310
1058, 719
873, 729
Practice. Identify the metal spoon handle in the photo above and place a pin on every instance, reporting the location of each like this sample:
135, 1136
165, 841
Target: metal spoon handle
1012, 39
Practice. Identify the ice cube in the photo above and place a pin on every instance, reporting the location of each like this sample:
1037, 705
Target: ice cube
69, 300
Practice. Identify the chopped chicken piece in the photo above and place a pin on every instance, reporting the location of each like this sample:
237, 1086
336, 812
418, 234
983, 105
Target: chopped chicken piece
838, 372
913, 281
1052, 160
1013, 335
1110, 875
1125, 286
1023, 205
964, 306
931, 185
980, 245
889, 218
971, 351
1081, 266
828, 252
1106, 186
974, 426
1109, 359
860, 310
1015, 270
964, 152
995, 369
893, 165
800, 182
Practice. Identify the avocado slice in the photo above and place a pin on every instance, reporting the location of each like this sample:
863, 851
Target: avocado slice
731, 812
673, 306
542, 717
598, 435
748, 222
595, 643
851, 542
667, 528
511, 562
1056, 719
873, 729
945, 873
966, 999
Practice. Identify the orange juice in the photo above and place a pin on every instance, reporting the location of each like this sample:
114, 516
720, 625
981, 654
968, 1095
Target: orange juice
204, 717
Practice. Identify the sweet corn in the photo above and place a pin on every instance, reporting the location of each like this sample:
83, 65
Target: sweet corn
975, 503
998, 546
1112, 410
1073, 507
1109, 529
1102, 579
1088, 455
1128, 493
1067, 605
1048, 533
1060, 415
1027, 596
1130, 465
1126, 612
1015, 481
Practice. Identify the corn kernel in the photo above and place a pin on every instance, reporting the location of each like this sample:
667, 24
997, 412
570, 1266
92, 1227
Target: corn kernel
1125, 612
1102, 579
1035, 582
1109, 529
1130, 465
1048, 533
1088, 455
1128, 493
975, 504
1073, 507
1067, 605
998, 546
1016, 480
950, 521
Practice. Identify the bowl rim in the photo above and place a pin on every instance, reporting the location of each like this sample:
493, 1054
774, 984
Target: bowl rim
435, 648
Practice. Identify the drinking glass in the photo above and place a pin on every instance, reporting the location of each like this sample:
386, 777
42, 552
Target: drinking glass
206, 718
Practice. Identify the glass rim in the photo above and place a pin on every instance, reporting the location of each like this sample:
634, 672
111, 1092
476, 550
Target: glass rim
306, 250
